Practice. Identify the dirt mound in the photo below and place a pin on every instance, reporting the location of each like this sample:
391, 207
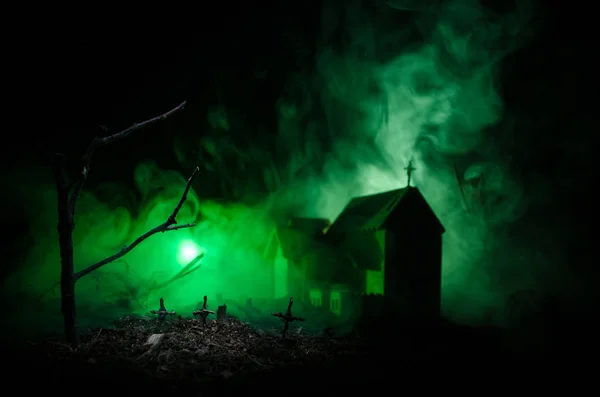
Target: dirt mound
187, 349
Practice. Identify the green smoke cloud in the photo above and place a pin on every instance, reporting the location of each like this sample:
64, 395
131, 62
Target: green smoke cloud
387, 89
383, 100
376, 98
232, 237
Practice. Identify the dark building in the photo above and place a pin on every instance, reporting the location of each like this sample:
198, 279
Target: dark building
387, 244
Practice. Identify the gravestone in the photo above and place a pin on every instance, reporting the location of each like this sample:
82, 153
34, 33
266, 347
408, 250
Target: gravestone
222, 314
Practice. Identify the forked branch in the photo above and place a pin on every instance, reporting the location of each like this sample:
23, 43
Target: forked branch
99, 142
167, 226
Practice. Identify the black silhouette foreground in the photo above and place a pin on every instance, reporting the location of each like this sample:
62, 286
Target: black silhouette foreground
204, 312
287, 318
148, 354
68, 192
157, 357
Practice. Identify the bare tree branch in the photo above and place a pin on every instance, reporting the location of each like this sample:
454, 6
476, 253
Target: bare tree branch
99, 142
188, 269
169, 225
176, 227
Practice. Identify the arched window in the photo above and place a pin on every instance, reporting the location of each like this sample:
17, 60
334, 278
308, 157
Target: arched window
335, 302
316, 297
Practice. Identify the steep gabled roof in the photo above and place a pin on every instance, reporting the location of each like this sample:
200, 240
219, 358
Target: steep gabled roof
367, 212
370, 213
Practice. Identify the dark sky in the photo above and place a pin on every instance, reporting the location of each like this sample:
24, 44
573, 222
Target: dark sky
78, 74
67, 78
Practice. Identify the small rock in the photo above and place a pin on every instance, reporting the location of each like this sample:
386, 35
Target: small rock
155, 339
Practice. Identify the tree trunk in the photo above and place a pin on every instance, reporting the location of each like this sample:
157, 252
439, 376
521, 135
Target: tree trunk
65, 237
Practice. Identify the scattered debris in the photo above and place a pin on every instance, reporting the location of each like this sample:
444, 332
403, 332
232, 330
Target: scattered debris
162, 312
204, 312
172, 350
287, 318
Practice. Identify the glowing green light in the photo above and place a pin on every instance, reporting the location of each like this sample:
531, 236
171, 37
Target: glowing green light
316, 297
335, 302
188, 250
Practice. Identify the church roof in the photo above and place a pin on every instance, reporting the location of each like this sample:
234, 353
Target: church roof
367, 212
370, 213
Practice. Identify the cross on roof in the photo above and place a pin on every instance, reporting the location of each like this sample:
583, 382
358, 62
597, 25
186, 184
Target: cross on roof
409, 170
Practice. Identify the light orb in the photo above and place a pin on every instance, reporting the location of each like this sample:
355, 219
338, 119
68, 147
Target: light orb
188, 250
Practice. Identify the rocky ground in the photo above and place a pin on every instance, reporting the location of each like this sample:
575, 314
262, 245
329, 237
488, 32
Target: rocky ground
184, 355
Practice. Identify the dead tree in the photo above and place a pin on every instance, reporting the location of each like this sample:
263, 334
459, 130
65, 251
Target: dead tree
68, 193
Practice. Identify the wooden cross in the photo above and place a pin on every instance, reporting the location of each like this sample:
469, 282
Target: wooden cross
204, 312
162, 312
409, 170
287, 318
